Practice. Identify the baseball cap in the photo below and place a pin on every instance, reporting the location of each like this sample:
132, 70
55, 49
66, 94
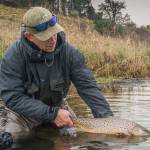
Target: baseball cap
38, 17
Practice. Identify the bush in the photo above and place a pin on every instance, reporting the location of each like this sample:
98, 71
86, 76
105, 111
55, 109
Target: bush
74, 13
102, 25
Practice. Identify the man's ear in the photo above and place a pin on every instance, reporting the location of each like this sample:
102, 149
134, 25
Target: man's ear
28, 36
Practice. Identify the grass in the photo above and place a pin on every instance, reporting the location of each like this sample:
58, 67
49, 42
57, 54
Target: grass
107, 57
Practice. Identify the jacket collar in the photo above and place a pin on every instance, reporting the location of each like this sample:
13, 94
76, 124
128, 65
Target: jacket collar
31, 48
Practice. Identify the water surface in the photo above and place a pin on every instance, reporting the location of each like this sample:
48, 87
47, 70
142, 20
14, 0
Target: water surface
131, 100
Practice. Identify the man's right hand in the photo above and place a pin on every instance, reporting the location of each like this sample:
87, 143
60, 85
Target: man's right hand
63, 118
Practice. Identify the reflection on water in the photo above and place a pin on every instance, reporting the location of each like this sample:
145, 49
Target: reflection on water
131, 101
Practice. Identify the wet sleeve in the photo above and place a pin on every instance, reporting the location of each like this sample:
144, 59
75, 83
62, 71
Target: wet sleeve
86, 86
12, 91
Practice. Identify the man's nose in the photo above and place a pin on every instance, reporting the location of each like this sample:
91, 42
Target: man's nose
52, 39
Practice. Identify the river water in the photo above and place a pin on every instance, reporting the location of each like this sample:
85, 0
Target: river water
131, 100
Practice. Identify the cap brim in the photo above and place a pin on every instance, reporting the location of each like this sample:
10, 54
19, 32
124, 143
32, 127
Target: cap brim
45, 35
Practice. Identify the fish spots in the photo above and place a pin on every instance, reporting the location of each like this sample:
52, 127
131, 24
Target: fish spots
112, 125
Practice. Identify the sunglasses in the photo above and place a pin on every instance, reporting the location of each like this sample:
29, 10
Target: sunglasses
43, 26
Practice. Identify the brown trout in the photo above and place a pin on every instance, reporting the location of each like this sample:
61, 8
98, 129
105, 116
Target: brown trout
111, 126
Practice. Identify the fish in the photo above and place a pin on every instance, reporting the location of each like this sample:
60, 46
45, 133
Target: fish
111, 126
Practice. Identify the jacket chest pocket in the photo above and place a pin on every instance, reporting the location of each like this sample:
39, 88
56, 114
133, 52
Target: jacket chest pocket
57, 91
31, 89
57, 85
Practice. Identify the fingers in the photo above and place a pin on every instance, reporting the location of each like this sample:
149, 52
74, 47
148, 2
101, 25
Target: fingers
63, 118
60, 124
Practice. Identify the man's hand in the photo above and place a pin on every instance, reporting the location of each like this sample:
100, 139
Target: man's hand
63, 118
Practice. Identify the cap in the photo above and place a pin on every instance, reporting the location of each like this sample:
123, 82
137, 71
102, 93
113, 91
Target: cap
38, 15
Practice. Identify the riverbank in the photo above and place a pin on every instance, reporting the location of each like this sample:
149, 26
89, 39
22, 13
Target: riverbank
107, 57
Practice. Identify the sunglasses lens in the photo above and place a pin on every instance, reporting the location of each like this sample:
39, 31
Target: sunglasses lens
53, 21
41, 27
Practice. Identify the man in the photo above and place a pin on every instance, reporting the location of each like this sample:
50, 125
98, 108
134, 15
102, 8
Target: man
36, 72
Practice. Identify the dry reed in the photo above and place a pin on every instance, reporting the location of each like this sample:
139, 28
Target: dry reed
106, 56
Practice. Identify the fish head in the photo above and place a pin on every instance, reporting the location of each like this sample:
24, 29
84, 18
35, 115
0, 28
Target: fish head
140, 131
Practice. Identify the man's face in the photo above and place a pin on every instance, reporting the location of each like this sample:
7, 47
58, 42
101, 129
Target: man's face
47, 46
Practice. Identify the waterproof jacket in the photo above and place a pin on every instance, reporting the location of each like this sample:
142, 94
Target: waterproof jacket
33, 82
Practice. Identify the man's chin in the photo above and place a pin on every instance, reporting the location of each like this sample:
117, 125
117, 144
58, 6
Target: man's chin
50, 50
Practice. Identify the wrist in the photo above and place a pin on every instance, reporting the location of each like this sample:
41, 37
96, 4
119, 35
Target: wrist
53, 112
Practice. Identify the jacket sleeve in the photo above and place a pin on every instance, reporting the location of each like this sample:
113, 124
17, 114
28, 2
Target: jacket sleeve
12, 89
86, 86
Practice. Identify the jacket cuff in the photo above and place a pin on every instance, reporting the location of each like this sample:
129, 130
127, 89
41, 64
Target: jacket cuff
53, 112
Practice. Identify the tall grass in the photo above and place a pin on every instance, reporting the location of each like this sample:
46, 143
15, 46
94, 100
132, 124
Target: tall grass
106, 56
